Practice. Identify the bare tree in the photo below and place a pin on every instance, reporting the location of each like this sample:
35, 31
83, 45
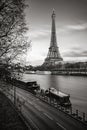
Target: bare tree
13, 41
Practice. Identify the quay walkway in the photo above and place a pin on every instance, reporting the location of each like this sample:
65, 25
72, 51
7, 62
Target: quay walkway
9, 117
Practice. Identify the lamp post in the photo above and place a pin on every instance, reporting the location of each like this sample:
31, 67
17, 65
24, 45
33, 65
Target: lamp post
14, 90
14, 87
14, 95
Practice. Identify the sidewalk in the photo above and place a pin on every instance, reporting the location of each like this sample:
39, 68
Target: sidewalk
9, 118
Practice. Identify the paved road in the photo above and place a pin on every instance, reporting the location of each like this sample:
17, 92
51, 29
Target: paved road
44, 117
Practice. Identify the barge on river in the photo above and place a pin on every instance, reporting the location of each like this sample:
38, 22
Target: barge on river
31, 86
61, 98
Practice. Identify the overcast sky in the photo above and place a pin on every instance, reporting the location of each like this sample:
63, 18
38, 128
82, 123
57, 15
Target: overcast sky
71, 29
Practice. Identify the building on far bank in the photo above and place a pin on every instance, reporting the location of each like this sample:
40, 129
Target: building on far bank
53, 57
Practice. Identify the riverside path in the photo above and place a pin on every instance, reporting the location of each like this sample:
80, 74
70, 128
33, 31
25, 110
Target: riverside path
45, 117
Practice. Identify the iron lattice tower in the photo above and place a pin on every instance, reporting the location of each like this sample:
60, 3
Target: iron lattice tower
53, 56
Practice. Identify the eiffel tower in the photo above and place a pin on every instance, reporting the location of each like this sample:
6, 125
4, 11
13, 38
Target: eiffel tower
53, 56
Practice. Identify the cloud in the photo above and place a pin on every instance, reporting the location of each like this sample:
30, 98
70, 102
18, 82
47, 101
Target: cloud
41, 31
73, 27
77, 27
36, 62
75, 54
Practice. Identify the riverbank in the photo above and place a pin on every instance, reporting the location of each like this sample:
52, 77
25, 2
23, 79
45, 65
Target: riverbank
9, 118
69, 73
59, 72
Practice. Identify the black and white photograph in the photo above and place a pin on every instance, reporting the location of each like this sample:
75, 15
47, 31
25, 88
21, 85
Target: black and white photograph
43, 64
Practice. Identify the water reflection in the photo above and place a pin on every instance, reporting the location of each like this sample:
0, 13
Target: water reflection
53, 82
75, 86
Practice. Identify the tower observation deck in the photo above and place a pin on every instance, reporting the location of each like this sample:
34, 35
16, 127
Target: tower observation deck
53, 56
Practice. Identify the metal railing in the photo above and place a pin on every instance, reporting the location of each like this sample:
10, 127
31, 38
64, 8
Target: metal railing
72, 111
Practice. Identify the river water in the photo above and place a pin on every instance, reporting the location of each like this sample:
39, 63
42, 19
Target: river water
76, 86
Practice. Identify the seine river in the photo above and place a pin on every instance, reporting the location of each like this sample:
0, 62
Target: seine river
76, 86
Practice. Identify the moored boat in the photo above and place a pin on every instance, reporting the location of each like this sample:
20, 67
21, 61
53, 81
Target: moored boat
31, 85
62, 98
